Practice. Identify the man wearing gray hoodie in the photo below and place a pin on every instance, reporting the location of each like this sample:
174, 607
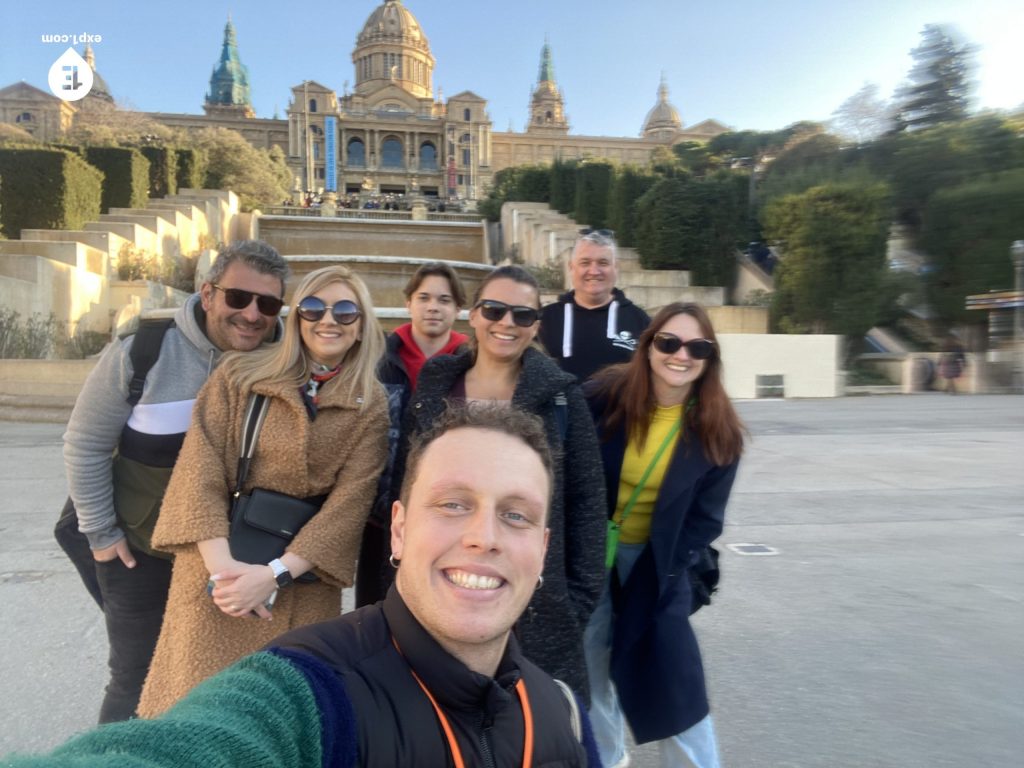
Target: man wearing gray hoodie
119, 454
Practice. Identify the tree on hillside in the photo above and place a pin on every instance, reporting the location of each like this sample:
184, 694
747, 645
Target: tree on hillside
259, 177
694, 224
967, 231
107, 126
833, 241
12, 135
864, 116
940, 87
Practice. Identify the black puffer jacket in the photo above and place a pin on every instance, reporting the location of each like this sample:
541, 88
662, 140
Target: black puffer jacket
551, 630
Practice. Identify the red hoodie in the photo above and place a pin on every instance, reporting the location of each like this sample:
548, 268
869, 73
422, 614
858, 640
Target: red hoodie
412, 356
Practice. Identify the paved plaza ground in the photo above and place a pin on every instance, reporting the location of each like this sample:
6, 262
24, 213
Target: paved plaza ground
885, 630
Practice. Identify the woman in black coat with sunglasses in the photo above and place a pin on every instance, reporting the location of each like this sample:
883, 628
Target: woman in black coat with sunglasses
670, 444
503, 366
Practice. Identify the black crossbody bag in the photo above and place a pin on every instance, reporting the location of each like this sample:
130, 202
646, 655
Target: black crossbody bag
264, 522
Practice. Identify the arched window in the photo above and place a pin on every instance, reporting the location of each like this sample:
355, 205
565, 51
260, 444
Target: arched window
24, 117
312, 105
428, 157
316, 130
548, 115
465, 138
391, 153
466, 115
356, 154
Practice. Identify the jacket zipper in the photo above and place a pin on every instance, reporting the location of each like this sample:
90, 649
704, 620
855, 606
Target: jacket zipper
485, 741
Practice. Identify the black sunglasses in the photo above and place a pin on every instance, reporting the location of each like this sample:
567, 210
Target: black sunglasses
236, 298
609, 233
522, 316
698, 349
344, 312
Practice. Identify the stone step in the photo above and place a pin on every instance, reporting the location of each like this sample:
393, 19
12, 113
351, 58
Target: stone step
36, 408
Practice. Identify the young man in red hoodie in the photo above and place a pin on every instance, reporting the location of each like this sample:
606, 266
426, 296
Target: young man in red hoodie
433, 297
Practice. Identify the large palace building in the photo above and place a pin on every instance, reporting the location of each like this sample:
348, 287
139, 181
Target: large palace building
391, 133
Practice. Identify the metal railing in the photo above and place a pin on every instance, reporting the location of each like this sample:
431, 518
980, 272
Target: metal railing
367, 213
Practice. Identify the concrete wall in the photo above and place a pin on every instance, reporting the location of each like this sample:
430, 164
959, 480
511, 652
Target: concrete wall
432, 240
808, 363
385, 276
32, 285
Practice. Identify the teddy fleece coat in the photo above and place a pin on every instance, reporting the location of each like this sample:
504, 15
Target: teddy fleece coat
339, 454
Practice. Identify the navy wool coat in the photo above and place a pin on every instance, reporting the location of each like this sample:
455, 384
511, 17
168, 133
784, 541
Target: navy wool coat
656, 663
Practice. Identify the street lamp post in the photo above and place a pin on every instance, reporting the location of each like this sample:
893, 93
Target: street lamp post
1017, 257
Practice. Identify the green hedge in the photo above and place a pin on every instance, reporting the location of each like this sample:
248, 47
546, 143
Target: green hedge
628, 187
127, 176
191, 168
163, 170
563, 186
47, 189
694, 224
593, 182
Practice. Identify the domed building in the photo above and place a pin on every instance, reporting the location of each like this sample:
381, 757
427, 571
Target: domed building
662, 121
390, 133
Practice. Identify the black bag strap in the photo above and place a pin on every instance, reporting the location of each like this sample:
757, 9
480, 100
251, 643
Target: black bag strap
144, 353
255, 414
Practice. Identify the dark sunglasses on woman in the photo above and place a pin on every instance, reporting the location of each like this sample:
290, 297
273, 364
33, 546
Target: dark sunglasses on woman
668, 344
236, 298
344, 312
493, 311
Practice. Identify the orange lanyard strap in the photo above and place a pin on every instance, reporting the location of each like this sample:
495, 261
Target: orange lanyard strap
524, 702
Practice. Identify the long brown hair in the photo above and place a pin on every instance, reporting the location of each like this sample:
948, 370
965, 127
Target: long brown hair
629, 392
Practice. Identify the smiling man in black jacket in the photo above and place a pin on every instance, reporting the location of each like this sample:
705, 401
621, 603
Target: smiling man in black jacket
594, 324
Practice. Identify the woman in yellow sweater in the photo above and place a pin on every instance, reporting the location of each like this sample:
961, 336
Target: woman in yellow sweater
670, 444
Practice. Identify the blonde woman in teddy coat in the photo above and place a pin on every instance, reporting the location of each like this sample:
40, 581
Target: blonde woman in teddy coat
325, 434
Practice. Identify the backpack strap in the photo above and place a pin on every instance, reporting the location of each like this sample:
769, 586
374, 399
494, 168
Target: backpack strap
575, 721
144, 353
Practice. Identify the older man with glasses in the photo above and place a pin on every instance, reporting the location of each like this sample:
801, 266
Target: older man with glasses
594, 324
123, 439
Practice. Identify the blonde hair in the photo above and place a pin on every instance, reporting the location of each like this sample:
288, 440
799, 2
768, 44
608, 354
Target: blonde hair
287, 362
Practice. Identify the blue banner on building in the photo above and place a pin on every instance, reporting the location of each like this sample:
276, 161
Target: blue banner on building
330, 155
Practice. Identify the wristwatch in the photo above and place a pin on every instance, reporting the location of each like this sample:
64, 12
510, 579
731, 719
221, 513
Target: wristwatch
282, 575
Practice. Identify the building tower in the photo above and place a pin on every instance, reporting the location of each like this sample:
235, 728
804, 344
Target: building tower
662, 122
547, 110
229, 84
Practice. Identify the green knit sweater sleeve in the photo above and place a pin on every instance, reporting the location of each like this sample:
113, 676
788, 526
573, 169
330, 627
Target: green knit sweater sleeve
258, 713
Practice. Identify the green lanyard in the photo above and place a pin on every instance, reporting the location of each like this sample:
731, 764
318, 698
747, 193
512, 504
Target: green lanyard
612, 543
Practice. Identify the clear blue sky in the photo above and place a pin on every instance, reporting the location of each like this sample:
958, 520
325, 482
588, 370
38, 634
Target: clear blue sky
747, 63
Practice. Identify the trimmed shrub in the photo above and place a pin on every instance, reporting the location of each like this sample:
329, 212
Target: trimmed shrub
47, 189
593, 181
563, 186
163, 170
191, 167
628, 187
127, 176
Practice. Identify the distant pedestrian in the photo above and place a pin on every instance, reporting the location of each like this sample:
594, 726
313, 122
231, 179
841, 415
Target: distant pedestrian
951, 364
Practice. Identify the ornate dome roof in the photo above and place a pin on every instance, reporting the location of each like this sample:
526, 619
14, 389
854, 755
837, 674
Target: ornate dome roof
392, 22
663, 116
